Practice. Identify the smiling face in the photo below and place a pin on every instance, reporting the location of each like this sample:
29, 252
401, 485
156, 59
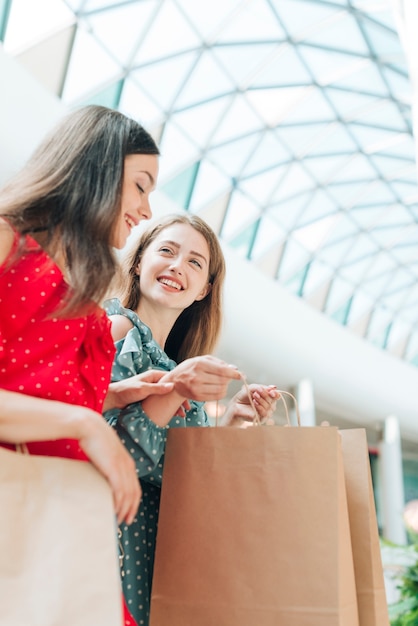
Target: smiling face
139, 179
174, 269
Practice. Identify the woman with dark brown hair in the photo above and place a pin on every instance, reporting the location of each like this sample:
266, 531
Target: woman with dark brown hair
61, 217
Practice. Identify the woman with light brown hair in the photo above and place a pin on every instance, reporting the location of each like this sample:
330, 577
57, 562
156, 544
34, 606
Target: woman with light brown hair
169, 317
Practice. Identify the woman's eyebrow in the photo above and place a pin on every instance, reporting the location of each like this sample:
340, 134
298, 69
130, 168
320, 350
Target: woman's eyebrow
177, 245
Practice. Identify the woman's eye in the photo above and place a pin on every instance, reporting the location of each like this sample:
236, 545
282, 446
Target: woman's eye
196, 262
166, 250
140, 188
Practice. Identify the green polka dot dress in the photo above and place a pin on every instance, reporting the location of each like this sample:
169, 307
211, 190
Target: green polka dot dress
136, 353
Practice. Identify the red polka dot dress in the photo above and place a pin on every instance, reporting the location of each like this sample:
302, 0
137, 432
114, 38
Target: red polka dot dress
41, 355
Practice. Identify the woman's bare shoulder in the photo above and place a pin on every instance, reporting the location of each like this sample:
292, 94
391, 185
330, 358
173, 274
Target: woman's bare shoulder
121, 325
7, 236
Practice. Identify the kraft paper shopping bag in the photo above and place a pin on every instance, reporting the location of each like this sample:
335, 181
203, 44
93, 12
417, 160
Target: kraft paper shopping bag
370, 584
58, 550
254, 530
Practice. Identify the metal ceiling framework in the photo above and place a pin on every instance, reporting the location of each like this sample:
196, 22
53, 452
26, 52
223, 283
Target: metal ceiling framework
286, 124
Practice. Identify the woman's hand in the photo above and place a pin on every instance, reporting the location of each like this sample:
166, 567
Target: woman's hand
202, 378
136, 388
25, 418
107, 453
239, 409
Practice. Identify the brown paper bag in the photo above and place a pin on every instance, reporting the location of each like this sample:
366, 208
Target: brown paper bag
58, 550
370, 584
253, 530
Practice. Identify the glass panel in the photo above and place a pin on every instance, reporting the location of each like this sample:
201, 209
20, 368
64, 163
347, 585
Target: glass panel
136, 104
379, 327
239, 120
108, 97
241, 212
342, 313
269, 234
340, 292
179, 188
4, 16
211, 182
411, 353
252, 21
311, 106
313, 235
89, 69
167, 36
399, 84
206, 81
161, 81
294, 183
319, 274
268, 151
177, 152
367, 80
355, 272
303, 16
244, 240
361, 305
383, 42
261, 187
325, 168
287, 213
27, 24
282, 67
356, 168
121, 28
294, 258
302, 139
231, 157
242, 61
328, 67
295, 283
206, 17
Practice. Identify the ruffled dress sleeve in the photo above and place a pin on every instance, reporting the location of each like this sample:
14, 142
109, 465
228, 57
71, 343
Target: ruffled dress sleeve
138, 352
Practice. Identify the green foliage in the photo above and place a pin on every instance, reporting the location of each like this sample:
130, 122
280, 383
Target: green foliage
405, 612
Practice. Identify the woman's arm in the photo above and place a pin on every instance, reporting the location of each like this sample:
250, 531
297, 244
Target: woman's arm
25, 418
200, 378
136, 388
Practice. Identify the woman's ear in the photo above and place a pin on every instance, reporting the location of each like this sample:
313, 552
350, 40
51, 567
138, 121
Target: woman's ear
204, 292
137, 269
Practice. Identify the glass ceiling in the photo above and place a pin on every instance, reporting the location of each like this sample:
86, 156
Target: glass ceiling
286, 124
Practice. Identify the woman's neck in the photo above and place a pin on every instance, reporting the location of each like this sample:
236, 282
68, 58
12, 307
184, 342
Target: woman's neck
160, 321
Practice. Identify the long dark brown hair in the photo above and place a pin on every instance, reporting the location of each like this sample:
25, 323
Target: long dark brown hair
68, 195
197, 329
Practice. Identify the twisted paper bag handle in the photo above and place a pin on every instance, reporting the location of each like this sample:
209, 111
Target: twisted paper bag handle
257, 420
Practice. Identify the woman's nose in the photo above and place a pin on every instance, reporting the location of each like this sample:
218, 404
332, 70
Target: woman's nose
145, 209
176, 265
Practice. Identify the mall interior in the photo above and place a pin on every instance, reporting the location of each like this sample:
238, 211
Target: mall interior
288, 125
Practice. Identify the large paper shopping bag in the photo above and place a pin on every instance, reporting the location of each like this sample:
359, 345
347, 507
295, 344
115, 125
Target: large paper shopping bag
58, 551
370, 584
254, 530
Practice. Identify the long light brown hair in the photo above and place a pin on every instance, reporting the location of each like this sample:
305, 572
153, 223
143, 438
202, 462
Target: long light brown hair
197, 329
68, 195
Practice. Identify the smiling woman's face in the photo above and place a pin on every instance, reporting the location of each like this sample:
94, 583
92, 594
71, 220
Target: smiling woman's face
139, 179
174, 268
